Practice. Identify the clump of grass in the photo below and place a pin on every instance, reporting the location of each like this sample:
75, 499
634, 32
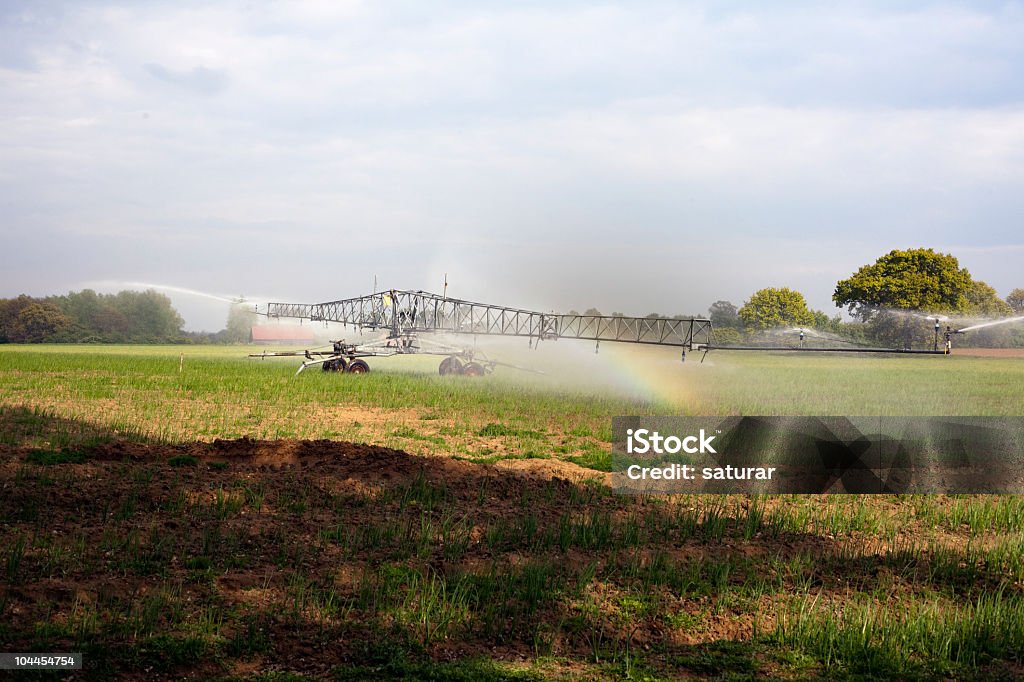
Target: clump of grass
51, 457
255, 494
493, 429
493, 459
598, 460
889, 641
226, 504
183, 461
14, 555
405, 431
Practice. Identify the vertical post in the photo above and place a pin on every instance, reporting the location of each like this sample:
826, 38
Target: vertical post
394, 312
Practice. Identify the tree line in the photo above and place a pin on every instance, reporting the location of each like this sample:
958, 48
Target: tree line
89, 317
893, 301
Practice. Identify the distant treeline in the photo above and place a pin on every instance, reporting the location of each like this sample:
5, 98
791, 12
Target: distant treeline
88, 317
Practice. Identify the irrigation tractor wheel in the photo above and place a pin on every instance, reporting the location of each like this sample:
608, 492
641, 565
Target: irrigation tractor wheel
473, 369
334, 365
357, 367
450, 365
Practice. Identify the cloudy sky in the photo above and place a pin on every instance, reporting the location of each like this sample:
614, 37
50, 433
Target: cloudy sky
633, 156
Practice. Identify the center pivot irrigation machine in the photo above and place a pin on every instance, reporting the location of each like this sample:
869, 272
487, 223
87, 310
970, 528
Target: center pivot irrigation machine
404, 315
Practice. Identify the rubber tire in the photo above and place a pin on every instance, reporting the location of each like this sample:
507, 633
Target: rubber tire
337, 365
450, 365
473, 369
357, 367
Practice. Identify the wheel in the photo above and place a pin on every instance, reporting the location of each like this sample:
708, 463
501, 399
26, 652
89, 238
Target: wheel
337, 365
357, 367
473, 369
450, 365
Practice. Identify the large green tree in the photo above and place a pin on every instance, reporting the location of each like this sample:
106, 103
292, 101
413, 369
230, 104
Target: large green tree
38, 322
915, 279
776, 307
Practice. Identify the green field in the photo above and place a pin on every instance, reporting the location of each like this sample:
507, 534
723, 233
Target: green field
182, 393
493, 551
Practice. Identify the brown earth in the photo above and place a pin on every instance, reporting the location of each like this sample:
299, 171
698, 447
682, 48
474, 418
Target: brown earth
128, 490
246, 557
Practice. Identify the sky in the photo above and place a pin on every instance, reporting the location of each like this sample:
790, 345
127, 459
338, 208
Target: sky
633, 156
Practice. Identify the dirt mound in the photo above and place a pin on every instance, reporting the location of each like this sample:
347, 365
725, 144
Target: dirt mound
333, 456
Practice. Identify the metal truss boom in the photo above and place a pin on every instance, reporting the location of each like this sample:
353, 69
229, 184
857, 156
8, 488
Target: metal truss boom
412, 312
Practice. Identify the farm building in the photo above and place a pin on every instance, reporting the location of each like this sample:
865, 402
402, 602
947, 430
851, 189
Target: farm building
281, 334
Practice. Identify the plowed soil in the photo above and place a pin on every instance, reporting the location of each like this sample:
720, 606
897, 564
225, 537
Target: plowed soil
243, 558
180, 527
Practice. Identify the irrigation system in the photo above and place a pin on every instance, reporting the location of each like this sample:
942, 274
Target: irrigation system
403, 316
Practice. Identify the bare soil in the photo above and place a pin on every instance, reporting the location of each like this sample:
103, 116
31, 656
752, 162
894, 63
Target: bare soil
127, 492
246, 557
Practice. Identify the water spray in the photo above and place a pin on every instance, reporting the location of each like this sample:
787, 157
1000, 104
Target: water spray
991, 324
167, 287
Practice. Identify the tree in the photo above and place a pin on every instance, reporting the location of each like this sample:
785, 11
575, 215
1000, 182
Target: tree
723, 314
10, 308
241, 318
916, 279
82, 305
824, 322
39, 322
776, 307
900, 329
151, 316
1015, 299
111, 324
125, 317
727, 336
983, 300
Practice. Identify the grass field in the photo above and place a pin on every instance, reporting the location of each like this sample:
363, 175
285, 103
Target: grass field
164, 511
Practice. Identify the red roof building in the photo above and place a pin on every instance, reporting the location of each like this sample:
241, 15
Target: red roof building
281, 333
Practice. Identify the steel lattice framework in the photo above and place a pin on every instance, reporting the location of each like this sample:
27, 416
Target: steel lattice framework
404, 313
